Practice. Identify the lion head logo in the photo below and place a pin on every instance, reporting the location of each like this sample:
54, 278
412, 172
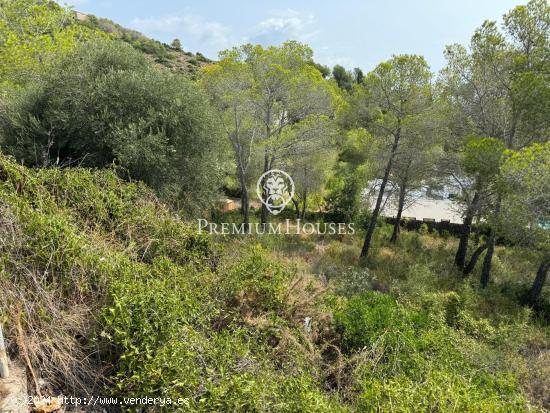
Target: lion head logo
275, 189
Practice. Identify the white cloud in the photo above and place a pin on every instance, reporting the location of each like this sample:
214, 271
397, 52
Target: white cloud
211, 36
210, 32
285, 25
331, 59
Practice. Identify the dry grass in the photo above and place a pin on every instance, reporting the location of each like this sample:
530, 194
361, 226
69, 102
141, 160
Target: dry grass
50, 331
537, 381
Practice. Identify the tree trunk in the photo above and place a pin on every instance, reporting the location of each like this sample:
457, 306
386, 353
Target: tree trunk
473, 260
296, 207
376, 212
4, 369
460, 257
488, 260
401, 204
264, 213
304, 206
245, 202
242, 164
540, 279
245, 205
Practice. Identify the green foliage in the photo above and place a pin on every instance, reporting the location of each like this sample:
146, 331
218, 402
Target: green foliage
107, 104
343, 196
358, 75
99, 201
167, 318
33, 34
202, 58
423, 229
105, 290
160, 324
252, 87
525, 179
176, 44
170, 56
146, 323
343, 77
66, 235
365, 318
325, 70
157, 319
483, 157
410, 361
259, 283
507, 68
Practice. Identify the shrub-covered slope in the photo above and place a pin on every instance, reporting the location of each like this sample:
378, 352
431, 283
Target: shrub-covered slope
104, 291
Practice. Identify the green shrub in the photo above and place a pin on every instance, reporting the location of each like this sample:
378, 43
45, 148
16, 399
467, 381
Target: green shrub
423, 229
159, 323
107, 104
106, 282
257, 283
369, 316
408, 360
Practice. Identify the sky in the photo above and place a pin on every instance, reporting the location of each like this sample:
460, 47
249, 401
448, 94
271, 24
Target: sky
351, 33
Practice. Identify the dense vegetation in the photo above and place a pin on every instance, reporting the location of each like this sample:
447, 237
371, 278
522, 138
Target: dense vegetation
164, 134
150, 307
109, 150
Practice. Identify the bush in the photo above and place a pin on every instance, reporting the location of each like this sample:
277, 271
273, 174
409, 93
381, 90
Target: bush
106, 104
423, 229
408, 360
106, 291
258, 283
68, 237
369, 316
159, 323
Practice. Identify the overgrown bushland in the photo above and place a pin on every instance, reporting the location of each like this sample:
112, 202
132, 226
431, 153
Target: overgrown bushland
414, 335
65, 236
106, 291
413, 360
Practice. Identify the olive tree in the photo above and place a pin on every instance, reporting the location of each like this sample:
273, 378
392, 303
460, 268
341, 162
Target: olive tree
106, 103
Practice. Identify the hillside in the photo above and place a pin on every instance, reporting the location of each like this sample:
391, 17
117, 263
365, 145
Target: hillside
105, 292
177, 60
